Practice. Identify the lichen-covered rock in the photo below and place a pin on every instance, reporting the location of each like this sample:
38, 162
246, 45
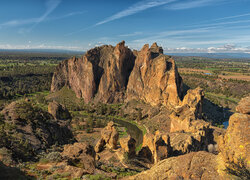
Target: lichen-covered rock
195, 165
235, 144
58, 111
101, 73
154, 78
128, 145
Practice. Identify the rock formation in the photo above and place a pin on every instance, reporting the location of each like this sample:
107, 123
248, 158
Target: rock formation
81, 154
101, 74
195, 165
109, 137
155, 147
235, 144
110, 74
244, 106
164, 145
128, 145
58, 111
231, 163
154, 78
190, 109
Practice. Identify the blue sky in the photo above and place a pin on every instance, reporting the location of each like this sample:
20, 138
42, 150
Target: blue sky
176, 25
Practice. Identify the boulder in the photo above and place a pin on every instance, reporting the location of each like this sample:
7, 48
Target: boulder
154, 78
128, 145
58, 111
80, 158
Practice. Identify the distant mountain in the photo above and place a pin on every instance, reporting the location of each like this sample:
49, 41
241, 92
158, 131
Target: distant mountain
213, 55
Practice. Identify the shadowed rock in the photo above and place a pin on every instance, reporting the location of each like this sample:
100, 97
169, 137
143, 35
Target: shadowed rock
101, 74
58, 111
128, 145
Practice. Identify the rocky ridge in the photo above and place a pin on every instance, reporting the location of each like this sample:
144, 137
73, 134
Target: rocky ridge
114, 74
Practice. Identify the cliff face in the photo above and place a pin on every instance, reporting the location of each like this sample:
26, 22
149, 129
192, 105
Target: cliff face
112, 74
154, 78
101, 74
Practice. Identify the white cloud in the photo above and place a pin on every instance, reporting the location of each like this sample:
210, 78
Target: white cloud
227, 48
51, 5
188, 4
135, 8
131, 34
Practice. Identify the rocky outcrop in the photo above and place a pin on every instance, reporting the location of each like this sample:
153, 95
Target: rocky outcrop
58, 111
184, 116
80, 158
128, 145
154, 78
235, 144
112, 74
244, 106
195, 165
155, 147
28, 129
109, 137
101, 74
164, 145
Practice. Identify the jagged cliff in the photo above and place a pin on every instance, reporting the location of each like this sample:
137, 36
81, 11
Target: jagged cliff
113, 74
101, 74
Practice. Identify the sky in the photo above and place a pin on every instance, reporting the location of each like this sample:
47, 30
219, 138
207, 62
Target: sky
179, 26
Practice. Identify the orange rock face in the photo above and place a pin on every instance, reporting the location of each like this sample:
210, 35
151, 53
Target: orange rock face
110, 74
154, 78
101, 73
184, 118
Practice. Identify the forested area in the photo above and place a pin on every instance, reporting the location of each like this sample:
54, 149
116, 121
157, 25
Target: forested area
25, 73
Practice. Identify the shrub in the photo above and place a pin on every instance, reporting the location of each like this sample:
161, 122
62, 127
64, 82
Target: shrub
54, 157
240, 170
